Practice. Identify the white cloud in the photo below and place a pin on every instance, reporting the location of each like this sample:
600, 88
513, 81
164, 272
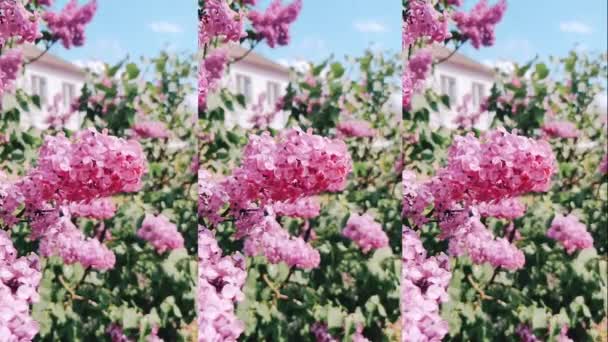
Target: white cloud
299, 65
370, 26
500, 64
164, 27
575, 27
95, 66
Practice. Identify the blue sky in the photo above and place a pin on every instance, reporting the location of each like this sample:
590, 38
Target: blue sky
341, 27
136, 27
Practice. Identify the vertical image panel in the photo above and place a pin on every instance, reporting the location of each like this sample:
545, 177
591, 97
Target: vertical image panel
97, 189
299, 219
504, 172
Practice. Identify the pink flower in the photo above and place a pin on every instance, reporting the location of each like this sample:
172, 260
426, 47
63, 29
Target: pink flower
365, 232
219, 20
563, 335
307, 207
160, 233
424, 282
19, 281
88, 166
560, 129
321, 333
65, 240
116, 333
293, 165
603, 167
473, 239
356, 128
220, 283
210, 72
268, 238
68, 25
101, 209
417, 70
423, 21
571, 233
525, 334
479, 25
151, 129
273, 25
17, 23
10, 64
509, 208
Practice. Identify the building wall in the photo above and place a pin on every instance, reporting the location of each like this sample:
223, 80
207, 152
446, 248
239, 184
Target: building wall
464, 85
260, 76
55, 78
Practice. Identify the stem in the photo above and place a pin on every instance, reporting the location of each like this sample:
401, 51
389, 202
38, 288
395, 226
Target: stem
498, 269
292, 269
246, 53
458, 46
46, 49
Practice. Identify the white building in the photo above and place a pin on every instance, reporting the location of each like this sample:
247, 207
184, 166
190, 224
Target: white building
47, 77
254, 76
458, 77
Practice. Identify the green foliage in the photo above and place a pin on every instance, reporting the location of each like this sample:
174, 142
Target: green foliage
350, 287
144, 289
554, 288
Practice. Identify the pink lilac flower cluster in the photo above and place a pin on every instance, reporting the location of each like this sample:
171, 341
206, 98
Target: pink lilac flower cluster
281, 172
89, 165
68, 25
365, 232
17, 23
153, 337
479, 24
273, 25
160, 233
417, 70
508, 208
356, 128
560, 129
268, 238
498, 166
100, 209
321, 333
525, 334
209, 73
221, 279
424, 21
117, 334
563, 335
19, 280
10, 64
151, 129
603, 167
57, 118
72, 171
571, 233
467, 117
473, 239
219, 20
480, 179
293, 165
358, 335
65, 240
424, 282
306, 207
261, 118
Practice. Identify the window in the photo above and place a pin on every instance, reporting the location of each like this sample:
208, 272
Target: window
448, 87
478, 92
39, 88
243, 87
272, 93
68, 94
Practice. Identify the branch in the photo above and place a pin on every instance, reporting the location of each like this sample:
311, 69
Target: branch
246, 53
458, 46
498, 269
47, 48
